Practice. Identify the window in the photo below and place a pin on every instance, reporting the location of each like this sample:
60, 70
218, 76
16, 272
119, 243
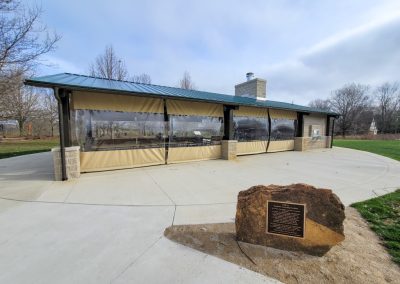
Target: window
191, 130
282, 129
247, 128
113, 130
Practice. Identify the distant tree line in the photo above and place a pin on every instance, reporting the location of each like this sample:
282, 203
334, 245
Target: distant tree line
359, 104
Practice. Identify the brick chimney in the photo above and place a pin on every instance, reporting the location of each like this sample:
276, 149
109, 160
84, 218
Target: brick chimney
253, 88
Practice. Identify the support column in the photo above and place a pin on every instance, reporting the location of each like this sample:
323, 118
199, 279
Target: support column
62, 97
72, 163
300, 125
167, 133
299, 144
328, 125
228, 122
228, 146
333, 131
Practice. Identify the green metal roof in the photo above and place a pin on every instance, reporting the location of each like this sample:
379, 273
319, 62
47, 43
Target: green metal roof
82, 82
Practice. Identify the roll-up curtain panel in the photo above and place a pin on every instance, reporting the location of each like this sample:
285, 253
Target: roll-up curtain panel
178, 107
251, 147
284, 114
114, 102
184, 154
277, 146
120, 159
251, 111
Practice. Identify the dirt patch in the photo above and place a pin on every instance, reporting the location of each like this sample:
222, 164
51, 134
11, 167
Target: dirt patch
360, 258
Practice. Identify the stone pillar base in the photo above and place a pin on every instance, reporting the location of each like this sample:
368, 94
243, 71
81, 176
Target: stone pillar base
229, 151
308, 143
72, 162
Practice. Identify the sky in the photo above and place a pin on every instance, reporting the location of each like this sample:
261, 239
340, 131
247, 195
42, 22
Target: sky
304, 49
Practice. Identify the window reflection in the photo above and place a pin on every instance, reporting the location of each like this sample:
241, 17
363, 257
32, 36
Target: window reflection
112, 130
250, 128
191, 130
282, 129
95, 130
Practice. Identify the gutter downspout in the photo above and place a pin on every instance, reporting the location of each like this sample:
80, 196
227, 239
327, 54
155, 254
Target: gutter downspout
61, 129
269, 130
333, 131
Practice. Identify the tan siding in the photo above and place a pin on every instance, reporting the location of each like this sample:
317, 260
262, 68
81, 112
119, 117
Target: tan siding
314, 119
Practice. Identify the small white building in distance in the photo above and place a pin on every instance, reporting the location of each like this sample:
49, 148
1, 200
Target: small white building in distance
372, 129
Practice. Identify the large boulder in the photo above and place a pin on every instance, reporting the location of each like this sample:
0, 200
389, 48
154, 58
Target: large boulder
300, 218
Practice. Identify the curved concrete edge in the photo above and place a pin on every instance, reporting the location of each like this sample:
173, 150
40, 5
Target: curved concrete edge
354, 175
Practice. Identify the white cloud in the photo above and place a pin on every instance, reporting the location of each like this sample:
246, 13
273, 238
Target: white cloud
368, 55
304, 49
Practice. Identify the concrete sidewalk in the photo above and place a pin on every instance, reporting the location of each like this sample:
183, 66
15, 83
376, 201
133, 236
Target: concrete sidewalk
108, 227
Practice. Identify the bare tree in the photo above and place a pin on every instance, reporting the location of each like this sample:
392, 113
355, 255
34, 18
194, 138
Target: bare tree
349, 101
50, 110
10, 82
23, 39
108, 65
320, 104
22, 104
387, 97
186, 82
142, 78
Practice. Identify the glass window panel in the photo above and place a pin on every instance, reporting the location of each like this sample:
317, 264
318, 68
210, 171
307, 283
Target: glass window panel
191, 130
247, 128
283, 129
111, 130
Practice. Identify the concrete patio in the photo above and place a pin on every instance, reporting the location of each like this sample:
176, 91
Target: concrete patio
108, 227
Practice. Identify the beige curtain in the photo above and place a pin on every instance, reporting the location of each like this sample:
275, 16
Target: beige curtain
194, 108
184, 154
114, 102
286, 114
251, 111
252, 147
277, 146
121, 159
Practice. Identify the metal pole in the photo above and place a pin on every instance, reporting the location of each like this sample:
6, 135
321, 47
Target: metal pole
333, 130
228, 122
166, 133
62, 136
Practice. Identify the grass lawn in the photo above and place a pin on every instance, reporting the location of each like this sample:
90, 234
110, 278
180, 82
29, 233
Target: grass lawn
17, 148
383, 215
387, 148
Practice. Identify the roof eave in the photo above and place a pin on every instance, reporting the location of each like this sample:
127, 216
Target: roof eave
52, 85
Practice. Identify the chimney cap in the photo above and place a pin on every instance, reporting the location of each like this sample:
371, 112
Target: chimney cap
249, 76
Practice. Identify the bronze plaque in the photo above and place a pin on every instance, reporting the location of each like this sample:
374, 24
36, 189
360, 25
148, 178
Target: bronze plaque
284, 218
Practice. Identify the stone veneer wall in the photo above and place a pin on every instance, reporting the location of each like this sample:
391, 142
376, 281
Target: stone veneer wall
72, 162
254, 88
309, 143
229, 149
